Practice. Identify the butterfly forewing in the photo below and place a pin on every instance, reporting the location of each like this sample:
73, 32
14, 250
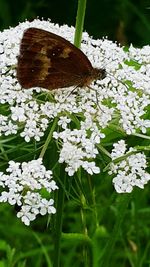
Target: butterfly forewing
49, 61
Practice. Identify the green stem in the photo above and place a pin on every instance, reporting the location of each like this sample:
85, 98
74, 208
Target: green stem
104, 151
48, 138
77, 238
59, 217
142, 136
121, 207
79, 22
86, 249
92, 192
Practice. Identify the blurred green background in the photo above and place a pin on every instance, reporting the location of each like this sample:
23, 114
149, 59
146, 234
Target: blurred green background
126, 21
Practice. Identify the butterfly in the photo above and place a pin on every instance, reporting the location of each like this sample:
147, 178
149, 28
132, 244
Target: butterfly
50, 61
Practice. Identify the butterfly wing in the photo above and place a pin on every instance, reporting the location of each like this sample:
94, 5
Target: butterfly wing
50, 61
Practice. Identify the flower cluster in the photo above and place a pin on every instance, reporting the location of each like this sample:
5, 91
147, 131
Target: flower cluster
22, 187
85, 113
79, 146
130, 171
7, 126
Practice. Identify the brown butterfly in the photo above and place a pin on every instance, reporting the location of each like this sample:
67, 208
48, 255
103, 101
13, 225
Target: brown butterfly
50, 61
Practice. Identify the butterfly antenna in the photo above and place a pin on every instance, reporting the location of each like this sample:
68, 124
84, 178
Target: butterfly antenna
123, 83
110, 74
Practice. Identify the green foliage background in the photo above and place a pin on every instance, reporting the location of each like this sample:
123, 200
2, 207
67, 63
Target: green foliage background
127, 21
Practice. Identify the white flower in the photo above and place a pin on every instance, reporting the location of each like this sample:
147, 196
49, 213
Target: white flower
129, 172
63, 121
47, 207
118, 150
83, 115
10, 128
26, 215
18, 114
22, 186
11, 197
72, 156
90, 167
33, 205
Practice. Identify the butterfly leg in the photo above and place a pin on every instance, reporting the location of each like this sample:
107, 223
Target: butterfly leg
70, 93
96, 94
